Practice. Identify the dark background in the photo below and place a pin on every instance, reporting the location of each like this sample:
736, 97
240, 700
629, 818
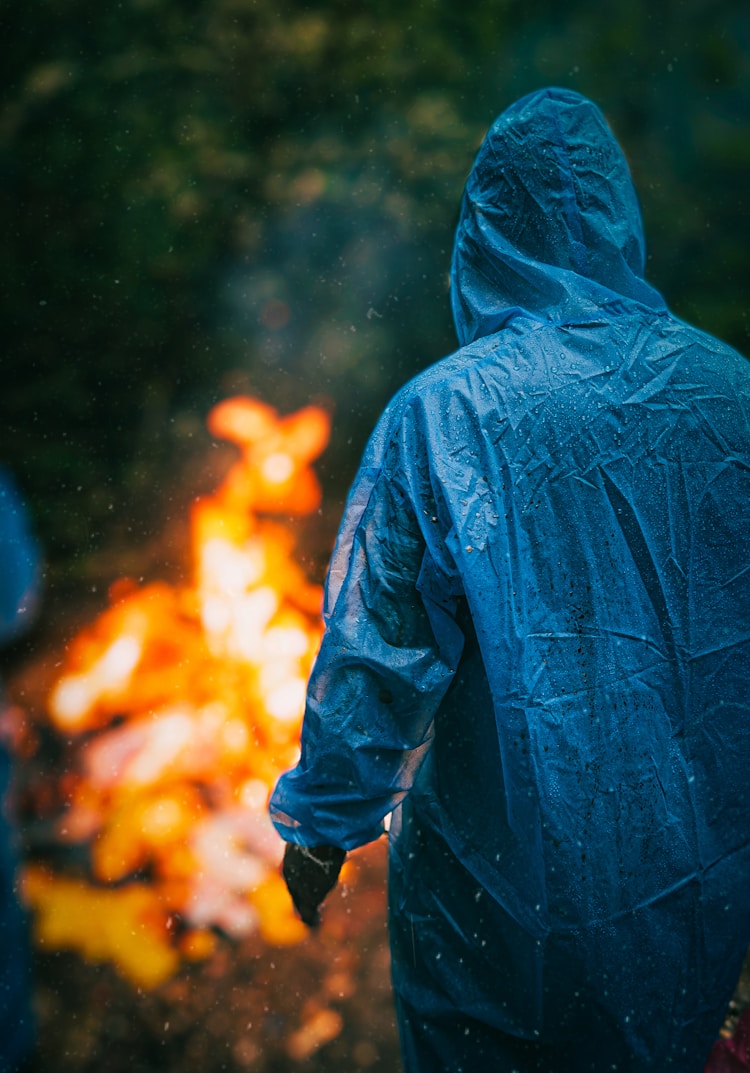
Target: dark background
208, 196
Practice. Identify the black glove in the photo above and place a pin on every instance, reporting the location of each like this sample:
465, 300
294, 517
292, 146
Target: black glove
310, 873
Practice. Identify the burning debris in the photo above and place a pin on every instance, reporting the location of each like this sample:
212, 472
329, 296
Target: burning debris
185, 704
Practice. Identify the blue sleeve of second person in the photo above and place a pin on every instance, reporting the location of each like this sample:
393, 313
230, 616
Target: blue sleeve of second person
19, 563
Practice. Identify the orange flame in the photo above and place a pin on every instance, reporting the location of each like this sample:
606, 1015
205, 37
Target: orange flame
191, 700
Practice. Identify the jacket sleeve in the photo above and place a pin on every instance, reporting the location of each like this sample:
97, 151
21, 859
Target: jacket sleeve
389, 652
19, 563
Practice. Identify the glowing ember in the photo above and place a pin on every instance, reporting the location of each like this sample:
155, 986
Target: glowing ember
191, 700
320, 1027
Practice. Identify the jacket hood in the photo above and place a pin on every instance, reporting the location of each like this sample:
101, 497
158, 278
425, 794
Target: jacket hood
550, 225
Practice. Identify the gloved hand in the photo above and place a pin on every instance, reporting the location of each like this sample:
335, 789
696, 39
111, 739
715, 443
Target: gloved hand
311, 873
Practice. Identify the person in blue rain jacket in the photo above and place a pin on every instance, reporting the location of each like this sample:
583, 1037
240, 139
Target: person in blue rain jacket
537, 644
19, 582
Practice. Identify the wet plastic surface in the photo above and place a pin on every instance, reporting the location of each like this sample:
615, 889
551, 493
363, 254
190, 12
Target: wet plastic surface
537, 645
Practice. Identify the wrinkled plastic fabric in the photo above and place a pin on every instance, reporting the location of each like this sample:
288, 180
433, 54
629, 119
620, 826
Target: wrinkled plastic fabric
537, 644
19, 587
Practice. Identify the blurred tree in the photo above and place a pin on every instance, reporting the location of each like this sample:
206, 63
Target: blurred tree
199, 196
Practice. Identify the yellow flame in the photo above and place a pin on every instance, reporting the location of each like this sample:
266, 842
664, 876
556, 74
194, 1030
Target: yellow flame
207, 681
74, 695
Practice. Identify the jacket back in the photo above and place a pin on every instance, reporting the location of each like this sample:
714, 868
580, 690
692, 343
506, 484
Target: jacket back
537, 646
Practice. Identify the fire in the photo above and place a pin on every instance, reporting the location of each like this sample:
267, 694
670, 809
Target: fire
186, 704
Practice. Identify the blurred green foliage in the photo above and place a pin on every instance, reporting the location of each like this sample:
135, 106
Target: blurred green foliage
200, 197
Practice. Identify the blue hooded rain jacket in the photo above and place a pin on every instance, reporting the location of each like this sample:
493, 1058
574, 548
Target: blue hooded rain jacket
537, 644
